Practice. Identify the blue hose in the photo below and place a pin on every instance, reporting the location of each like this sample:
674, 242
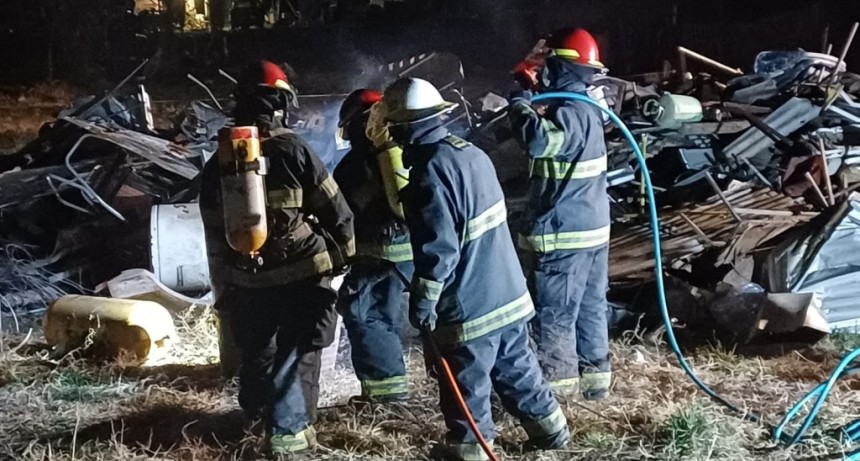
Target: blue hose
655, 234
851, 431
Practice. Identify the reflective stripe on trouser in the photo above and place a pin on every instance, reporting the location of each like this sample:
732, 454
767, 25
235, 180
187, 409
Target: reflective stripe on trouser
593, 381
570, 323
462, 451
516, 310
396, 385
546, 426
502, 361
565, 385
579, 240
283, 444
280, 332
372, 302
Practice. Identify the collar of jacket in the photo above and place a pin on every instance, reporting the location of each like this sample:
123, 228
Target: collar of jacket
432, 137
427, 132
563, 75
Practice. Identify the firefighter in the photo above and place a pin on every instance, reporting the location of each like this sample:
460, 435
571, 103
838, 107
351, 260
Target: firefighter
372, 299
467, 289
280, 302
567, 225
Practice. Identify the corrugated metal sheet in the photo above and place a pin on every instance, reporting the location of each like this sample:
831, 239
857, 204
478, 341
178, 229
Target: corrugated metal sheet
824, 259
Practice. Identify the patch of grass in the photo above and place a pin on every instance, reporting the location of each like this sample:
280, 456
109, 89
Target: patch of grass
844, 342
687, 433
725, 358
602, 441
77, 386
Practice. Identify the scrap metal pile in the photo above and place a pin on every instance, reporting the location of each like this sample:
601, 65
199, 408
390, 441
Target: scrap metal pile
755, 174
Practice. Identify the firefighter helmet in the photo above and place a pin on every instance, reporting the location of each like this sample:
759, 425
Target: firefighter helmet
576, 45
413, 100
358, 102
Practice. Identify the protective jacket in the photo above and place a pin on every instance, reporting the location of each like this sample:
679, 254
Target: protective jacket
568, 205
379, 234
310, 223
467, 278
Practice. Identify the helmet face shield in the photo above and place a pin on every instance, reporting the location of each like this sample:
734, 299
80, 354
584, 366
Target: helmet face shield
341, 139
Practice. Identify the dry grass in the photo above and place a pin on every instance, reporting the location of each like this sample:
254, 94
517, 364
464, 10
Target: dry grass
23, 111
71, 408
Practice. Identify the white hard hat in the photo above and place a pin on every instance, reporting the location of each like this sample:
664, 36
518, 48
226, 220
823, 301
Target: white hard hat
412, 100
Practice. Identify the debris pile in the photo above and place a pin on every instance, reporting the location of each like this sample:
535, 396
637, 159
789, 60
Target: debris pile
743, 169
743, 165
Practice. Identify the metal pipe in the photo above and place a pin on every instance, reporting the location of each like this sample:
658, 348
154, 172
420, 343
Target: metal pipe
755, 171
844, 53
827, 181
722, 196
228, 76
203, 85
85, 110
707, 60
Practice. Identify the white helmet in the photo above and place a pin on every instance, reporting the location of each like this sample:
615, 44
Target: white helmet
412, 100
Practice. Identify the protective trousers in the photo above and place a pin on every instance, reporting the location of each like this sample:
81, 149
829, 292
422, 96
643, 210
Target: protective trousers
504, 362
372, 302
570, 327
281, 332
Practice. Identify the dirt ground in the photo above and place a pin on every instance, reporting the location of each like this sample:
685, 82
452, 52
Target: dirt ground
77, 408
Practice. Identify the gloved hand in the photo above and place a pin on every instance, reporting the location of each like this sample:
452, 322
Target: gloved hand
526, 75
377, 127
421, 317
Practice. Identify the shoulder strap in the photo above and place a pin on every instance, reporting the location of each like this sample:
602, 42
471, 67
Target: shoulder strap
277, 132
457, 142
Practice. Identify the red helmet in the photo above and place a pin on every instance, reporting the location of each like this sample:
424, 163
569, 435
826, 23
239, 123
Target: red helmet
576, 45
265, 74
358, 102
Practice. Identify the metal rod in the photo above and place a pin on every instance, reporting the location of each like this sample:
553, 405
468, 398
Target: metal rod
844, 53
827, 181
710, 61
814, 185
85, 110
203, 85
722, 196
755, 171
228, 76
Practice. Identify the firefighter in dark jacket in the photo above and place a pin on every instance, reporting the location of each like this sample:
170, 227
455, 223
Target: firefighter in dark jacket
567, 231
468, 288
280, 303
372, 298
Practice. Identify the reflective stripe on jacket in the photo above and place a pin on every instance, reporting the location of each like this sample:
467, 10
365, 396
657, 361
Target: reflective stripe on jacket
466, 268
568, 205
